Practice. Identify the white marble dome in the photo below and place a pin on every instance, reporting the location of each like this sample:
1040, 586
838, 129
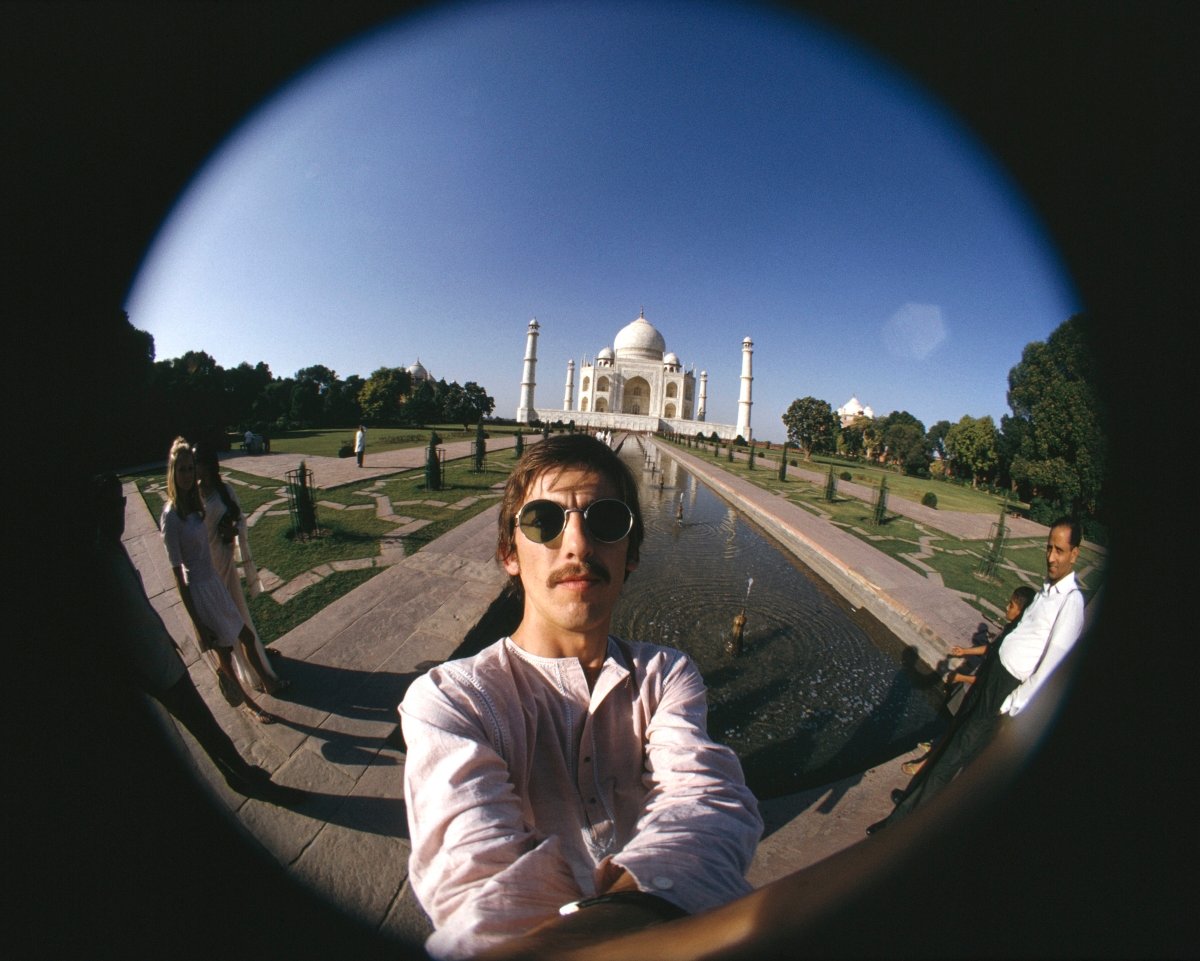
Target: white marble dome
671, 359
417, 372
853, 408
605, 354
640, 340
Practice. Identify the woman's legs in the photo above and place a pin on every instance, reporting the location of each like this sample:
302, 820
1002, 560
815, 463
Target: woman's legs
227, 676
252, 652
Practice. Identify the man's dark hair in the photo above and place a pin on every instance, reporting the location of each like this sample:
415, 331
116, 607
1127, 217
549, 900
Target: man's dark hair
1076, 530
565, 451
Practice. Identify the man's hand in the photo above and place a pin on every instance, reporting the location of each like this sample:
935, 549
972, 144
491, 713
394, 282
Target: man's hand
612, 877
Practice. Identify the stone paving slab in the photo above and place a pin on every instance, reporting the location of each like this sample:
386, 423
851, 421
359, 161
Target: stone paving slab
358, 870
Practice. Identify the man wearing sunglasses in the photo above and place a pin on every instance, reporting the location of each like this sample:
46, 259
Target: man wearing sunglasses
561, 784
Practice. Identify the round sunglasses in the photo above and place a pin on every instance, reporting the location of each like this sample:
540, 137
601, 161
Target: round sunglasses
607, 521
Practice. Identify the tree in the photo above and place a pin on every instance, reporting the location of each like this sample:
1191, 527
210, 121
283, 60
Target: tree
272, 404
811, 425
972, 448
381, 396
1058, 415
310, 395
243, 385
121, 420
318, 374
852, 438
872, 437
467, 404
422, 405
306, 403
480, 401
906, 447
935, 439
341, 402
188, 395
903, 438
456, 406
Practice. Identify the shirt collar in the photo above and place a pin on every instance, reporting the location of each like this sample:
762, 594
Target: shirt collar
1062, 586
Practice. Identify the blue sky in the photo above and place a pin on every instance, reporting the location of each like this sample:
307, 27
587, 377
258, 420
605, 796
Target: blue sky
425, 190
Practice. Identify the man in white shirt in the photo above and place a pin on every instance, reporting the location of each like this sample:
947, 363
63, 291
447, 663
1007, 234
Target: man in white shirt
1011, 675
561, 784
360, 444
1051, 625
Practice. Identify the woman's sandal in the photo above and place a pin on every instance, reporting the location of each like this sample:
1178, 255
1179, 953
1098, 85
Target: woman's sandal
280, 686
260, 715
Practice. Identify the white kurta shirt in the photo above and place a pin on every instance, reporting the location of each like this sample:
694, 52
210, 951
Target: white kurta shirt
1052, 622
520, 782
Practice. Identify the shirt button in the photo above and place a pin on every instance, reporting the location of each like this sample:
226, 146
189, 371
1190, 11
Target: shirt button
663, 883
587, 760
591, 800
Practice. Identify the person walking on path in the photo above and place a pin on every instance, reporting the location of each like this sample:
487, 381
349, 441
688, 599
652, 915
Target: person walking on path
1045, 634
561, 785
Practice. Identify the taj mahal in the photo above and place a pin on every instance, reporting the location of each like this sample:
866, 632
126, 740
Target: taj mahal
637, 385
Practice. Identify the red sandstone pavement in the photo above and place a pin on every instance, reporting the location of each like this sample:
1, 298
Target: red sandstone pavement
350, 664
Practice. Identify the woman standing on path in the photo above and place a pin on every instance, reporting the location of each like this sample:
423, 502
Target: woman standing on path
218, 624
228, 543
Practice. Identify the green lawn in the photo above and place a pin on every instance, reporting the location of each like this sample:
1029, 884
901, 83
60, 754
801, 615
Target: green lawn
951, 496
346, 534
326, 442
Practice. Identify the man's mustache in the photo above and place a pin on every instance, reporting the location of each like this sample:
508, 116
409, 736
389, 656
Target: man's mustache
588, 568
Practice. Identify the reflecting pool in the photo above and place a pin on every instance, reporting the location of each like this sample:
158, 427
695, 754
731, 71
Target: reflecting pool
821, 690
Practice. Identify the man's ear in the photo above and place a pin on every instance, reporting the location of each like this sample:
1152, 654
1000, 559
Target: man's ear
510, 565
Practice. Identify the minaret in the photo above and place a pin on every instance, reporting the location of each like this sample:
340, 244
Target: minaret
526, 411
744, 401
570, 391
700, 410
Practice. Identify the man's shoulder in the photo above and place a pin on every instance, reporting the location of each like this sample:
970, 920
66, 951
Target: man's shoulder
645, 657
460, 688
479, 671
1070, 591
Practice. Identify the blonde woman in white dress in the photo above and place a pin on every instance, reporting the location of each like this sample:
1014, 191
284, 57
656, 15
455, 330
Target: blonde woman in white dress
219, 624
228, 544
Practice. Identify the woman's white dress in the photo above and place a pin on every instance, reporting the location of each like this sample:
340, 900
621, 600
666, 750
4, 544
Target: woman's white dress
186, 541
225, 558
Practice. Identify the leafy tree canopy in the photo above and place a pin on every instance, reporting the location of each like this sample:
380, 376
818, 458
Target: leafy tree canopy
811, 425
381, 396
1057, 425
973, 448
936, 438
